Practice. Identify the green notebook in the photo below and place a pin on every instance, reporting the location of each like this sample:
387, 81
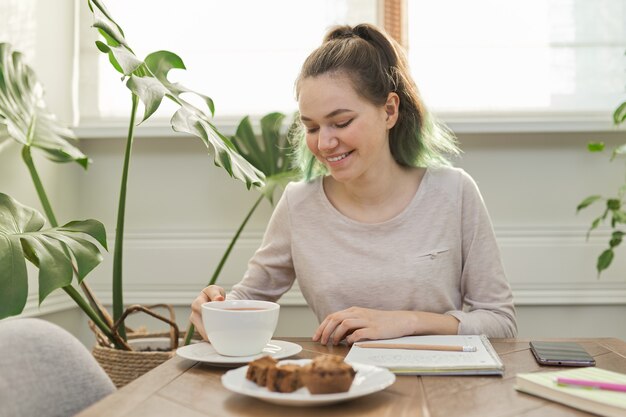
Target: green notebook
597, 401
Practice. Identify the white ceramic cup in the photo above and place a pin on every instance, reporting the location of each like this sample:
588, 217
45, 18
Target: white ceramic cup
239, 327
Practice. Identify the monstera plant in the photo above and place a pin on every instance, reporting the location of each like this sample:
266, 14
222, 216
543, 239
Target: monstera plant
147, 80
613, 205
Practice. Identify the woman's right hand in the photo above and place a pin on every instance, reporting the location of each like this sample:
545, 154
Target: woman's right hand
210, 293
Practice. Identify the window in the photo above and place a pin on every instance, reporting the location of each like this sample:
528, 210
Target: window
486, 60
512, 56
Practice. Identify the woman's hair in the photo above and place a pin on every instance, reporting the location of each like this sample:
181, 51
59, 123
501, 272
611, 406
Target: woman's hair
376, 66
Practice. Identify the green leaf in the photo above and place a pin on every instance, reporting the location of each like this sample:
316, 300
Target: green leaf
22, 237
190, 121
55, 267
122, 59
270, 153
604, 260
619, 216
150, 83
90, 227
150, 91
616, 238
275, 144
595, 146
106, 25
588, 201
620, 114
594, 225
86, 254
248, 145
613, 204
23, 113
159, 64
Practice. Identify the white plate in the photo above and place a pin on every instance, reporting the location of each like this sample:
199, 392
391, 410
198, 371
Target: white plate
204, 352
368, 379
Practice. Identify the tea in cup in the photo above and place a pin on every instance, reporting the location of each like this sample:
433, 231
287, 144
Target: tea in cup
239, 327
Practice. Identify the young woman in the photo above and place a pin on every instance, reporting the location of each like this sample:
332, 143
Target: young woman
384, 238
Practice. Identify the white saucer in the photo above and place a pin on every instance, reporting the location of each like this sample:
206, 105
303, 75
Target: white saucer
368, 379
204, 352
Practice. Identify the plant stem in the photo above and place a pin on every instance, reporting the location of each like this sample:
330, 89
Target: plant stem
71, 291
43, 197
118, 296
216, 273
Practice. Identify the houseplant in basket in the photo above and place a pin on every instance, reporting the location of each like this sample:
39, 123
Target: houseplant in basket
147, 82
614, 205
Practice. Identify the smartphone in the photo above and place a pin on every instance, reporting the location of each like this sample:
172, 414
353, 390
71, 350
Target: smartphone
561, 354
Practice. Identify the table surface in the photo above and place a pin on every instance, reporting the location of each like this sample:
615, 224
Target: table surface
182, 388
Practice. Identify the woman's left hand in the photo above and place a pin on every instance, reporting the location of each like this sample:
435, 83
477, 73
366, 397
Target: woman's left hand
357, 323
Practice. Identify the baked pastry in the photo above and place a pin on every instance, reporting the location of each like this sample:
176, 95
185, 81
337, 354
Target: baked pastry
284, 378
324, 375
328, 374
258, 369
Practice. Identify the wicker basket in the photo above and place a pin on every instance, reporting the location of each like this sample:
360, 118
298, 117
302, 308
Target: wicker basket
124, 366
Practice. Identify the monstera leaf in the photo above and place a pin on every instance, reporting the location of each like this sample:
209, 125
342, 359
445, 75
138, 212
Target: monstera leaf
22, 237
148, 80
23, 114
270, 153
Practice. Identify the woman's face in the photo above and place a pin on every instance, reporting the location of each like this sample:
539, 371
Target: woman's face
345, 132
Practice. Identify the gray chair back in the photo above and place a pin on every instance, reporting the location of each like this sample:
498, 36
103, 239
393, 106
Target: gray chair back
45, 371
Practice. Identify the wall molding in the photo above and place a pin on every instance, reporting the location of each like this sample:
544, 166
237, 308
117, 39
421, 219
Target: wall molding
460, 123
553, 278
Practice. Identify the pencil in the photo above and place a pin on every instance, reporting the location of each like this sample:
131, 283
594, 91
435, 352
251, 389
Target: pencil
417, 347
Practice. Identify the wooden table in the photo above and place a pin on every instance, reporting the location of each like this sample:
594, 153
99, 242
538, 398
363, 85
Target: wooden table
181, 388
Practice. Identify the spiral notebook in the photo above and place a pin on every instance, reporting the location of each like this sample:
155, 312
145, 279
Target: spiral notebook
484, 361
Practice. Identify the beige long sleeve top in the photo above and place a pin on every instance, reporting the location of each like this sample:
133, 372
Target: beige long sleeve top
438, 255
